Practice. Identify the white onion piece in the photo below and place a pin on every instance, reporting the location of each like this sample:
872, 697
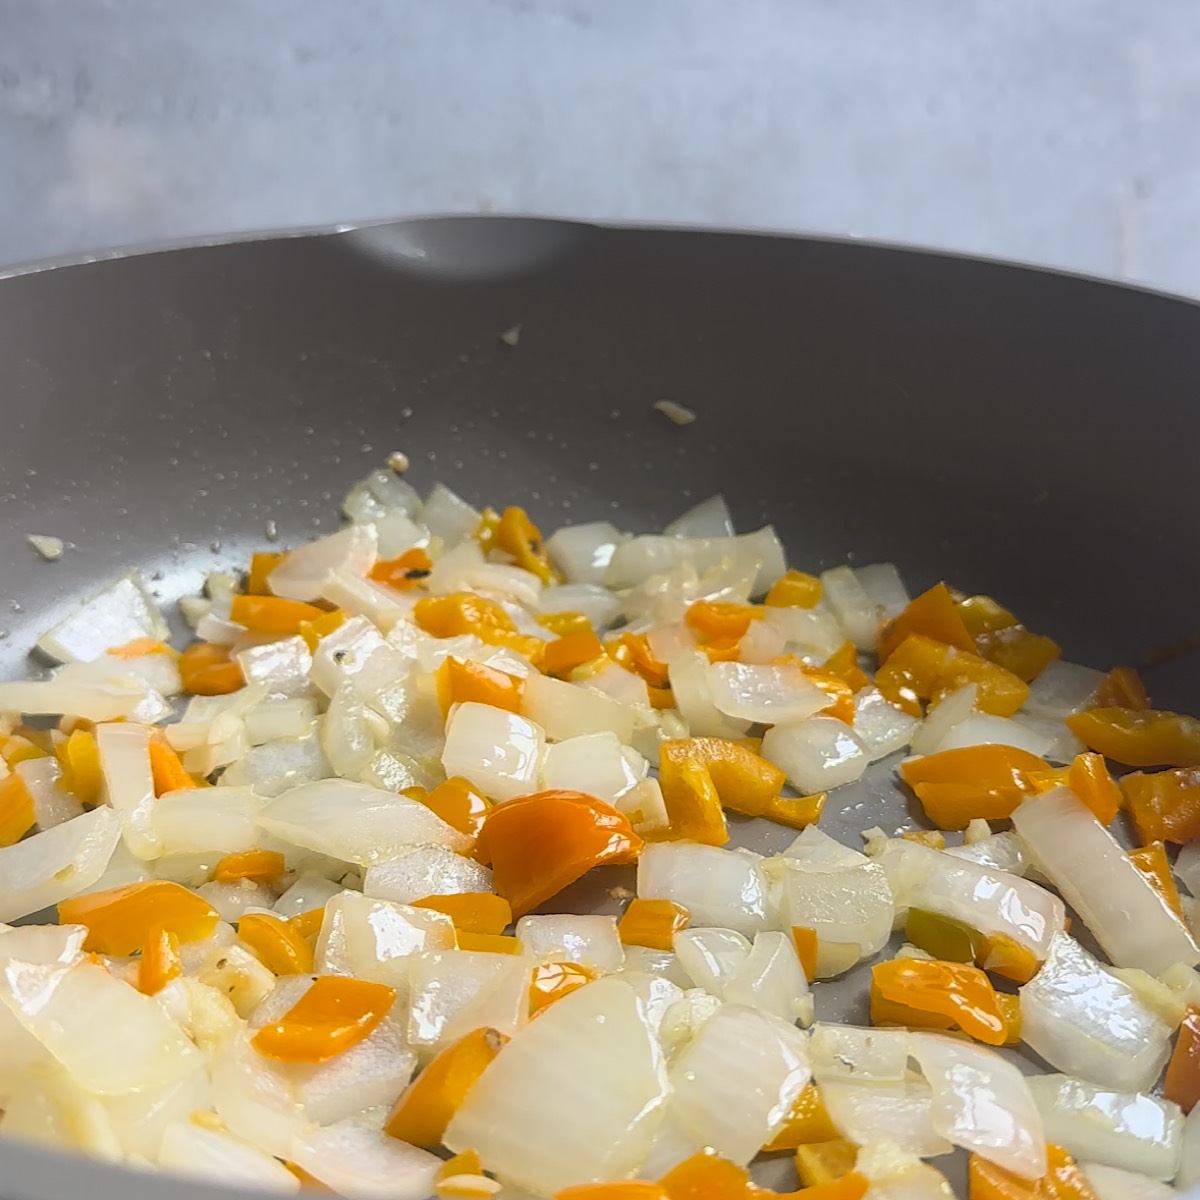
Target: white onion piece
564, 710
813, 633
663, 963
680, 1023
1099, 881
772, 980
582, 552
855, 610
256, 1098
196, 820
941, 718
816, 754
987, 900
721, 888
900, 1112
500, 752
596, 763
1111, 1183
122, 612
374, 939
45, 697
448, 516
43, 945
456, 991
982, 1103
382, 606
881, 726
984, 729
371, 1074
274, 767
813, 848
305, 572
1087, 1022
281, 666
346, 734
1189, 1151
1129, 1130
882, 583
896, 1175
997, 852
354, 1158
643, 804
398, 532
767, 694
234, 899
656, 994
711, 957
634, 561
354, 822
210, 1154
597, 603
425, 871
466, 569
1063, 688
575, 1096
51, 805
709, 518
152, 672
692, 687
591, 941
736, 1080
381, 491
47, 1107
858, 1054
277, 718
307, 893
625, 687
1187, 867
1061, 744
219, 629
355, 647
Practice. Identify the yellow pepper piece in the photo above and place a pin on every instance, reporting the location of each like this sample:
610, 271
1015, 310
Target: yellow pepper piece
120, 920
622, 1189
943, 937
652, 923
632, 651
707, 1176
405, 572
17, 816
806, 943
958, 786
280, 947
820, 1164
1010, 1010
563, 623
472, 912
840, 693
1152, 861
260, 866
458, 804
465, 612
796, 812
553, 981
572, 650
139, 648
1003, 956
1139, 738
517, 535
843, 663
933, 614
721, 620
921, 668
926, 994
273, 614
208, 670
424, 1109
166, 767
1063, 1181
458, 682
1123, 687
1048, 779
313, 631
794, 590
935, 839
18, 749
1164, 805
159, 963
1089, 779
308, 924
262, 564
807, 1121
492, 943
1001, 638
333, 1015
693, 807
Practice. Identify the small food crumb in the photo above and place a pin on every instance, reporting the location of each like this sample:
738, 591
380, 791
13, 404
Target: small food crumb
675, 412
50, 548
620, 893
510, 337
398, 461
272, 531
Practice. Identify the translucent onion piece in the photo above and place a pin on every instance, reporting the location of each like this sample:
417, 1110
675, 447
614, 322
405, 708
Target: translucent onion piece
984, 729
456, 991
1189, 1152
982, 1103
582, 552
816, 754
709, 518
354, 822
355, 1158
94, 702
1111, 1183
896, 1175
188, 1149
662, 963
682, 1020
279, 718
398, 532
122, 612
766, 693
722, 888
941, 719
465, 569
998, 852
711, 958
857, 1054
448, 516
1114, 899
636, 560
880, 725
1086, 1022
1129, 1130
366, 598
691, 684
598, 604
51, 805
346, 734
304, 573
500, 752
281, 667
196, 820
564, 710
856, 611
128, 784
882, 583
233, 900
772, 980
275, 767
382, 491
575, 1096
596, 763
1061, 689
901, 1113
307, 893
591, 941
152, 672
1187, 867
1061, 744
425, 871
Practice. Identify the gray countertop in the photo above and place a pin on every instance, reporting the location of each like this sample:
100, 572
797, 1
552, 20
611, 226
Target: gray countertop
1056, 131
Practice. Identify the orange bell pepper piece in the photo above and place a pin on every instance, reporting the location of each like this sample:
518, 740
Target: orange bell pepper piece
491, 943
206, 669
1139, 738
465, 612
1182, 1082
308, 924
120, 920
927, 994
280, 947
517, 535
840, 693
921, 668
820, 1164
572, 650
424, 1109
795, 590
469, 1164
707, 1176
562, 624
843, 663
807, 1121
259, 866
694, 811
796, 812
313, 631
632, 651
805, 941
79, 758
957, 786
272, 614
485, 531
334, 1014
1001, 638
623, 1189
1063, 1181
1152, 861
458, 682
166, 768
1002, 955
652, 923
745, 782
159, 963
851, 1186
552, 981
1089, 779
17, 816
721, 620
472, 912
539, 844
1165, 806
139, 648
933, 614
262, 564
1123, 687
458, 804
17, 749
404, 572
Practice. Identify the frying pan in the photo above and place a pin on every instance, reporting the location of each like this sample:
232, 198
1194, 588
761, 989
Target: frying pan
1021, 433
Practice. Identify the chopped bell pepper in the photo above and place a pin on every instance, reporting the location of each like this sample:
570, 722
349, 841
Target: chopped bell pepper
1152, 861
308, 923
166, 768
805, 941
820, 1164
1089, 779
928, 994
276, 943
921, 668
561, 624
742, 781
472, 912
958, 786
624, 1189
652, 923
491, 943
405, 572
945, 938
694, 812
935, 839
1048, 779
453, 1177
262, 563
1003, 956
259, 866
1010, 1010
721, 620
140, 647
1165, 805
159, 963
458, 804
1139, 738
796, 812
424, 1109
807, 1121
552, 981
465, 612
1001, 638
843, 663
313, 631
1182, 1082
851, 1186
17, 816
517, 535
632, 651
120, 920
1063, 1181
17, 748
206, 669
795, 590
539, 844
707, 1176
840, 693
485, 531
572, 650
457, 682
334, 1014
933, 614
272, 614
1123, 687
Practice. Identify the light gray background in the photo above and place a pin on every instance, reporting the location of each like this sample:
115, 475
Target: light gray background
1061, 131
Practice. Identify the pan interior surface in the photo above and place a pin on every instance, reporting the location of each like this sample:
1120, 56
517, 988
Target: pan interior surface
1018, 433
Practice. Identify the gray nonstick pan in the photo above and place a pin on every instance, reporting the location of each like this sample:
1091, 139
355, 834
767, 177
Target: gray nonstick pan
1021, 433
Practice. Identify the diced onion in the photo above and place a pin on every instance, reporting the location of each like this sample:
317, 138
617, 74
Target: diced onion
596, 763
710, 518
582, 552
881, 726
998, 852
772, 980
634, 561
711, 957
591, 941
942, 718
1111, 1183
281, 667
453, 992
901, 1113
856, 611
425, 871
1061, 689
565, 710
93, 702
122, 612
195, 820
816, 754
597, 603
767, 694
307, 893
465, 569
448, 516
722, 888
691, 685
304, 573
380, 492
275, 766
859, 1055
353, 1158
500, 752
255, 1097
346, 734
210, 1154
882, 583
984, 729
